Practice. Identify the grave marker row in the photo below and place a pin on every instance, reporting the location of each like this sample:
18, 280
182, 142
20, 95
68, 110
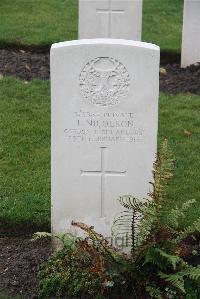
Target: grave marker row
123, 19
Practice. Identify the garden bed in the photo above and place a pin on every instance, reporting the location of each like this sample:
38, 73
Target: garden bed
19, 262
28, 64
20, 259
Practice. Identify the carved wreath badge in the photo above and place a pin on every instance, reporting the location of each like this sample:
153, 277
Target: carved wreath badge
103, 81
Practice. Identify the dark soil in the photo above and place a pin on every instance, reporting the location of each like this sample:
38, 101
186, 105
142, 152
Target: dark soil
27, 64
24, 64
180, 80
19, 262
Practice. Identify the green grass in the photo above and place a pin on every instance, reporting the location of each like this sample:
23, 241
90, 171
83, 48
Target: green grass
178, 116
37, 22
25, 151
162, 23
43, 22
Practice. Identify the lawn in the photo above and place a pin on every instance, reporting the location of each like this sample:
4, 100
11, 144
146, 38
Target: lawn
25, 151
25, 154
43, 22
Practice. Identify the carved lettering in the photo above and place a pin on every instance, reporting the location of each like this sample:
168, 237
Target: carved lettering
112, 127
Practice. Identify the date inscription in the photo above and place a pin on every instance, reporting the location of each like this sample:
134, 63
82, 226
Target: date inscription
111, 127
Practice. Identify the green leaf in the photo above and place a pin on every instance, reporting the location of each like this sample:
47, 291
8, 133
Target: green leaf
154, 292
175, 279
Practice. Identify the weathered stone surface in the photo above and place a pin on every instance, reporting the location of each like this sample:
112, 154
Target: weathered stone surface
104, 128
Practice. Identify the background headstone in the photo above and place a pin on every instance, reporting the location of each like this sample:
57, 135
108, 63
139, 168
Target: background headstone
104, 128
191, 33
110, 19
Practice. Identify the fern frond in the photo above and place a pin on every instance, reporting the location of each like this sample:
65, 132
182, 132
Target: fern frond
193, 273
131, 203
154, 292
193, 228
172, 260
174, 215
174, 279
124, 219
147, 210
122, 226
148, 221
162, 172
152, 256
126, 224
162, 259
177, 279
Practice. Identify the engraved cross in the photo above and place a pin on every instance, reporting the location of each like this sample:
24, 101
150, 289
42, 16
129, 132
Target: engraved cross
103, 173
110, 12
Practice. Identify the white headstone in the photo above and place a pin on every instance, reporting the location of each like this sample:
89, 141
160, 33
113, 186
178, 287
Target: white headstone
191, 33
104, 128
110, 19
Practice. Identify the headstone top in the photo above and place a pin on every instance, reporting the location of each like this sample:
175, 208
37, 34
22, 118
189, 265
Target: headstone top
106, 41
110, 19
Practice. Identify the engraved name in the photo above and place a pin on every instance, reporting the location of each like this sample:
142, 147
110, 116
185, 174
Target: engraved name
113, 127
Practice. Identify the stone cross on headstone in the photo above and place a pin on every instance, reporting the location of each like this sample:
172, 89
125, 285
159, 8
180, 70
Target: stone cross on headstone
103, 173
110, 19
191, 33
109, 12
104, 128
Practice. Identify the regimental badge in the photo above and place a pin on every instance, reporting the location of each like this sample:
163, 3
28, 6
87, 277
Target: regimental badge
104, 81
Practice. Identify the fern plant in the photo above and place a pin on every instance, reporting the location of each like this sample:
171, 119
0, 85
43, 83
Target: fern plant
156, 240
